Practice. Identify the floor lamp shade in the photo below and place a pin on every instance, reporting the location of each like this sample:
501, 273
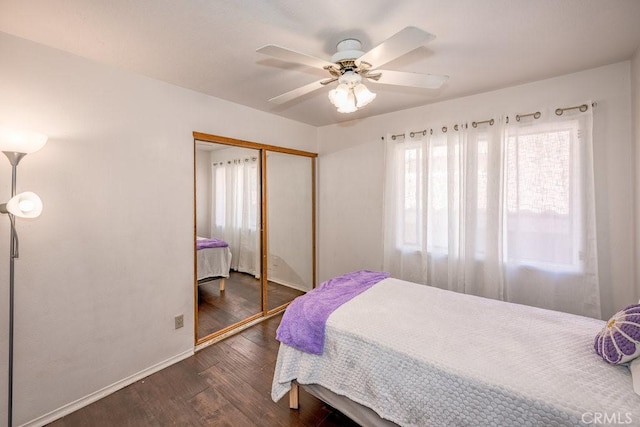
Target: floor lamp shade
24, 205
17, 141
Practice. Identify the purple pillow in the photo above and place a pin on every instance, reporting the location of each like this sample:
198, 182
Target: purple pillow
619, 341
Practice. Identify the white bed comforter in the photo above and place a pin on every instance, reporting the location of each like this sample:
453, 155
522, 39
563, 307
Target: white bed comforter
421, 356
213, 262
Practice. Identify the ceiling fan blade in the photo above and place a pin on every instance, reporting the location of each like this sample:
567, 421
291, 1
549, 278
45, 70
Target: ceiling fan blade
289, 55
395, 46
401, 78
292, 94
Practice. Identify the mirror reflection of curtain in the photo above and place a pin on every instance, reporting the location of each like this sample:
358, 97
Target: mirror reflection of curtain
235, 211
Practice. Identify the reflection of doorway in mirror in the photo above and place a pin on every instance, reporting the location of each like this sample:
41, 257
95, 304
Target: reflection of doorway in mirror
227, 209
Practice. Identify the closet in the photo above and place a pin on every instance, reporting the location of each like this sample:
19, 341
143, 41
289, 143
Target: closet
260, 201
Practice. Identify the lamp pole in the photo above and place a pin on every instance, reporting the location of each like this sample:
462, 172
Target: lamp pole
14, 159
16, 144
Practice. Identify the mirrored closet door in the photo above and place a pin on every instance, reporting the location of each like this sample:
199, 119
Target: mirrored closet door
227, 236
290, 227
254, 231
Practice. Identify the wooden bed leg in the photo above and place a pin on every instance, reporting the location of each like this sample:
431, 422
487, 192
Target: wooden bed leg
294, 394
222, 284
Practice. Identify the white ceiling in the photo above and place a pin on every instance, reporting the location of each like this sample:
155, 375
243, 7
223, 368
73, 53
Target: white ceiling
209, 45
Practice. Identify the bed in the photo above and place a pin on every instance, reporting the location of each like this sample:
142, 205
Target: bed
213, 258
395, 352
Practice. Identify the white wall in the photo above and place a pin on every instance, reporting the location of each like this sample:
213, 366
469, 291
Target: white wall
203, 193
109, 264
351, 168
635, 96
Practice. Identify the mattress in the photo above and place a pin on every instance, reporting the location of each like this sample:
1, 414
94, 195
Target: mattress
420, 356
213, 262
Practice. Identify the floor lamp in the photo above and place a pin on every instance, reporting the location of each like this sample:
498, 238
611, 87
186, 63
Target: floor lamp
15, 145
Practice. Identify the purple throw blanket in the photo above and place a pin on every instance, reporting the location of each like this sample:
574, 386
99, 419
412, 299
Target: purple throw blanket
303, 323
211, 243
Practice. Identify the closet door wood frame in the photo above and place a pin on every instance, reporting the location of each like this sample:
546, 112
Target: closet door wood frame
266, 313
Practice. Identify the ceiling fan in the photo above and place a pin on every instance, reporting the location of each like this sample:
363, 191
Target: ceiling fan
350, 66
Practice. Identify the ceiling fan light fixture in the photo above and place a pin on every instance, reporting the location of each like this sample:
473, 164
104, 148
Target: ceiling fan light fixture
350, 94
349, 98
350, 105
363, 95
339, 95
350, 78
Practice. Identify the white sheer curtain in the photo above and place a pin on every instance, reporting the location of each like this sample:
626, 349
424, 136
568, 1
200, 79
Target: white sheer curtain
235, 211
550, 231
501, 210
442, 226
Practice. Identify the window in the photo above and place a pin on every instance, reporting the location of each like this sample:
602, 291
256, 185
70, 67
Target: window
445, 195
543, 196
437, 199
235, 203
410, 163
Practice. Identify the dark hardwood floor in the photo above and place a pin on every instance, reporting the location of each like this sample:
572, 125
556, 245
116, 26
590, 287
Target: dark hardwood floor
226, 384
279, 294
217, 310
240, 299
